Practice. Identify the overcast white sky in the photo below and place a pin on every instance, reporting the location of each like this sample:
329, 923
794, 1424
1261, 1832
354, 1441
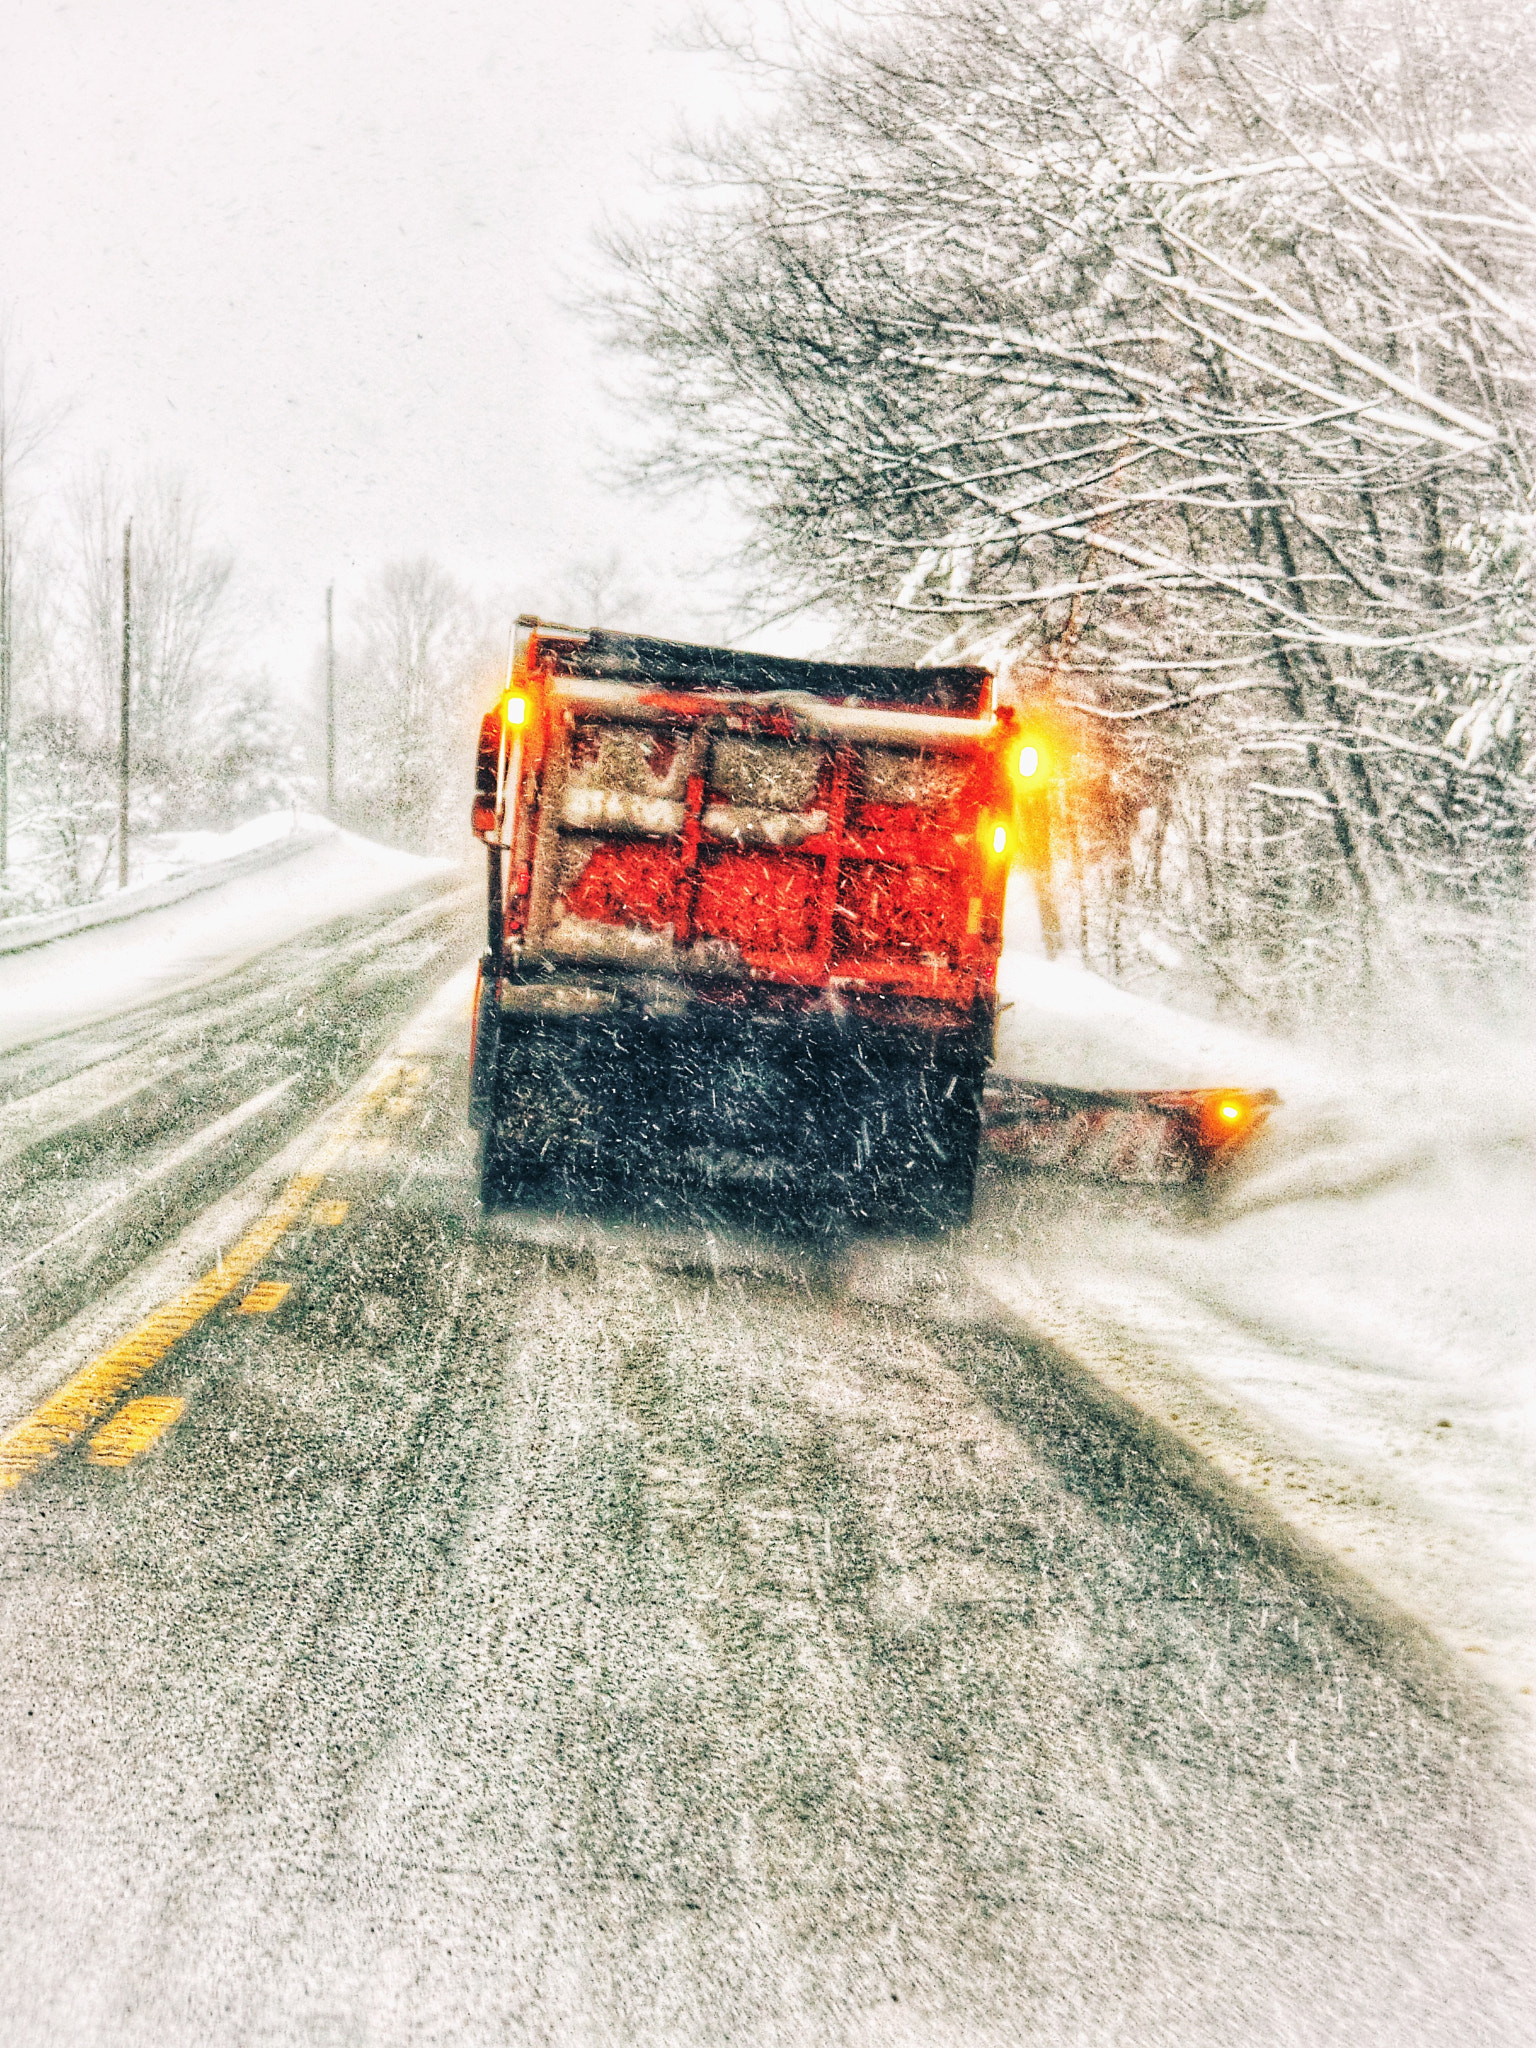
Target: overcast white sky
313, 253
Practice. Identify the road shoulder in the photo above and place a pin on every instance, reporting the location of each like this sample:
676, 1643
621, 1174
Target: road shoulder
1285, 1427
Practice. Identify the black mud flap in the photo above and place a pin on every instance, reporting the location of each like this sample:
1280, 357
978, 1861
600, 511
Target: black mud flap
484, 1047
1163, 1137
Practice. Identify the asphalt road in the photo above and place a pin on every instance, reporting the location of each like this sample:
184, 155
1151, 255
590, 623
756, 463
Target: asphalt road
563, 1630
115, 1134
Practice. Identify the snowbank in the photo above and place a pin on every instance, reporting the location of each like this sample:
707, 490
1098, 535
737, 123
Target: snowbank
172, 865
1061, 1023
168, 853
1348, 1331
240, 894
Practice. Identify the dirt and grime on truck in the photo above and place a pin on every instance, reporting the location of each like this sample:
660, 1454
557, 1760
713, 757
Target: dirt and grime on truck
745, 917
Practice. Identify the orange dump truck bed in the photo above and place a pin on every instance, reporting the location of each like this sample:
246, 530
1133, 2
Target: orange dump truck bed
745, 914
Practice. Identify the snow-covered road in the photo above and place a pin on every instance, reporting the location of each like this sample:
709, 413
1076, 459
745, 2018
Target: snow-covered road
1345, 1331
117, 1130
553, 1628
114, 966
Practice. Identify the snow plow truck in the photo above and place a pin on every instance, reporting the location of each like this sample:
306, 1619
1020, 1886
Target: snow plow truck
745, 914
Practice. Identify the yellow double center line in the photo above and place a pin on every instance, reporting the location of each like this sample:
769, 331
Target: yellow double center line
96, 1389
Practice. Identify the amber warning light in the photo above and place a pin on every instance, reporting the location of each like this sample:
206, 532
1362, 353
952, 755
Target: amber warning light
1030, 765
1231, 1117
498, 730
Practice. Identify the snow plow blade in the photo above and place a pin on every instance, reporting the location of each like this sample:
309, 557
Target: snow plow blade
1160, 1137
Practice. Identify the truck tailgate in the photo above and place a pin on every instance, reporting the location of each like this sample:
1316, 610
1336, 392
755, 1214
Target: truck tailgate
748, 843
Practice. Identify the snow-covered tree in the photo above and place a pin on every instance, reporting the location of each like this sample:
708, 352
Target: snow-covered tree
61, 626
1177, 355
250, 754
25, 425
64, 805
411, 685
183, 612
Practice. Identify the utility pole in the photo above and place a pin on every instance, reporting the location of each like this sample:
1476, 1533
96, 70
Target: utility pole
122, 706
330, 701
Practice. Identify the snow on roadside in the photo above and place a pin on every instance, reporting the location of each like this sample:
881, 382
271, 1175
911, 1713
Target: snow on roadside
1061, 1023
196, 861
115, 966
163, 854
1348, 1329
